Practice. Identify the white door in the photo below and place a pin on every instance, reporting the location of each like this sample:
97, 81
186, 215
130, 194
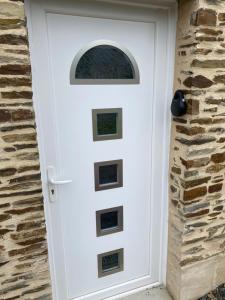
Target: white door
100, 74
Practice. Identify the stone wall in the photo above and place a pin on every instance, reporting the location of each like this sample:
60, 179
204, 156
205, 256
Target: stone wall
196, 260
23, 251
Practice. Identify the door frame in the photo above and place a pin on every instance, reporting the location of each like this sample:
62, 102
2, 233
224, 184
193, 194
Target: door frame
170, 6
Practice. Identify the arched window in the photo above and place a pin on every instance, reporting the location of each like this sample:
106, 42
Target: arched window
104, 62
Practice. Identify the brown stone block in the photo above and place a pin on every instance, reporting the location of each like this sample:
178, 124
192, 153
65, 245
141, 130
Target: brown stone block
17, 95
11, 23
4, 231
28, 234
26, 178
30, 225
5, 115
5, 217
209, 64
218, 158
215, 188
26, 250
198, 81
199, 213
195, 163
221, 17
219, 79
215, 168
29, 168
12, 39
221, 140
190, 131
191, 260
201, 140
207, 121
210, 31
195, 182
22, 193
193, 107
28, 202
17, 127
215, 101
31, 241
14, 81
204, 16
218, 208
22, 115
202, 121
12, 138
7, 172
176, 170
24, 210
15, 70
195, 193
206, 38
202, 51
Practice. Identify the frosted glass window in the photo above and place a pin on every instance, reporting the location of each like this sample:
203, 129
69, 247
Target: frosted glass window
104, 63
107, 124
110, 262
108, 174
109, 221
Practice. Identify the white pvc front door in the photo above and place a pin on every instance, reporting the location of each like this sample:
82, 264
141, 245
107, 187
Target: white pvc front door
101, 74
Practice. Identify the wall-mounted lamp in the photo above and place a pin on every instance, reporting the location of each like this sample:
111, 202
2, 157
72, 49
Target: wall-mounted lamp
179, 104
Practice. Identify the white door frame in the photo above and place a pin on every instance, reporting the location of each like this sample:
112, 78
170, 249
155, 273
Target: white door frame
171, 7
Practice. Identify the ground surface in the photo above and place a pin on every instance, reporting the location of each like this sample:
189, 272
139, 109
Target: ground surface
150, 294
160, 293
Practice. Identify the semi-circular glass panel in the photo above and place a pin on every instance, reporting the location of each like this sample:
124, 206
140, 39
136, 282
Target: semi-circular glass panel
104, 62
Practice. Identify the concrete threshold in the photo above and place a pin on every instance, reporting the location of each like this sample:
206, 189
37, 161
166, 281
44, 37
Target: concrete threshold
159, 293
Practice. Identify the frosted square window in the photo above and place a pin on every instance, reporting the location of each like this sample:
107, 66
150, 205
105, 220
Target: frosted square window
110, 262
109, 221
108, 174
107, 124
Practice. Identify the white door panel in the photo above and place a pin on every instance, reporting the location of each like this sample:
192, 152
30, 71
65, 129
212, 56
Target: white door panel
69, 147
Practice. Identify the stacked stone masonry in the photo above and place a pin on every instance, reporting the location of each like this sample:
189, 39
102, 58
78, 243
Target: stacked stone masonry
24, 270
196, 263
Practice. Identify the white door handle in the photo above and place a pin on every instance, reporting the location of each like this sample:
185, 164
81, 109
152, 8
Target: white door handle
51, 180
58, 182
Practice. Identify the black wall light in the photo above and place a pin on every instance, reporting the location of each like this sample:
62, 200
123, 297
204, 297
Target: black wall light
179, 104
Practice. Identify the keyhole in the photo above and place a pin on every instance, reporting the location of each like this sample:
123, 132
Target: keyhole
53, 192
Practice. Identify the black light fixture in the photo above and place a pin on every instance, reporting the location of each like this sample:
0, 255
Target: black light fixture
179, 104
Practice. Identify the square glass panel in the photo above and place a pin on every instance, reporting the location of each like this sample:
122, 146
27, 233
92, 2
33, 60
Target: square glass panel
107, 124
110, 263
108, 175
109, 221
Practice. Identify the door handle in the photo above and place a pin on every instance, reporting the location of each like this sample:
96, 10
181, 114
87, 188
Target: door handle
58, 182
52, 182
